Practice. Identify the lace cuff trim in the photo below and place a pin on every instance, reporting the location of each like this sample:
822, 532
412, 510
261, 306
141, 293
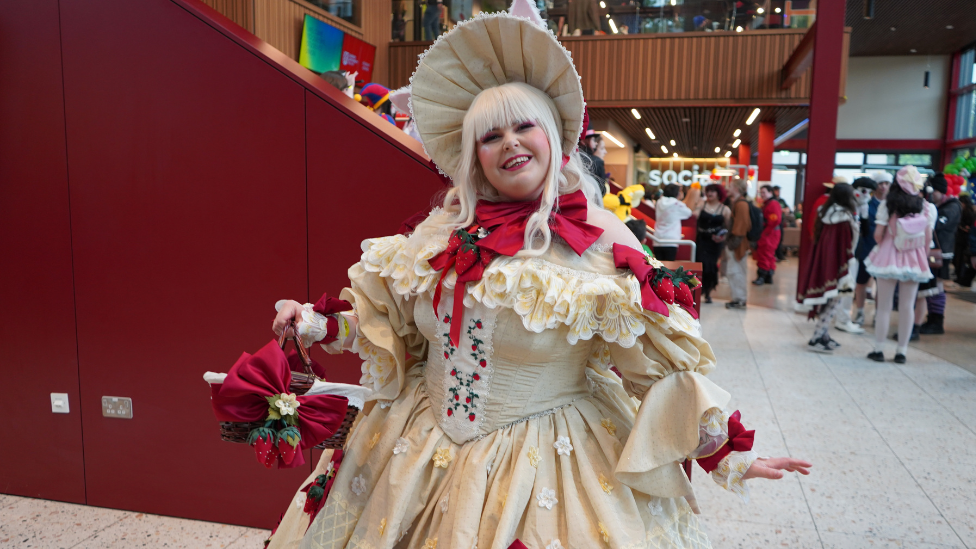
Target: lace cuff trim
713, 432
730, 471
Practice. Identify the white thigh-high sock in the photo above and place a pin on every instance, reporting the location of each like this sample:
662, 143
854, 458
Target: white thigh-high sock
906, 315
884, 301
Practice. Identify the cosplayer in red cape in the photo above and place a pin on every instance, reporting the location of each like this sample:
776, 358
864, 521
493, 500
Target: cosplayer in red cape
488, 335
833, 267
769, 241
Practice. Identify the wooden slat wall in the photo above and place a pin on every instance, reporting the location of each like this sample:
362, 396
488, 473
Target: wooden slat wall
692, 68
279, 23
238, 11
695, 68
403, 61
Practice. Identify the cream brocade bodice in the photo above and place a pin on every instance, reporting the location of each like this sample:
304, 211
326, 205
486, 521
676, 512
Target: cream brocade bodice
500, 373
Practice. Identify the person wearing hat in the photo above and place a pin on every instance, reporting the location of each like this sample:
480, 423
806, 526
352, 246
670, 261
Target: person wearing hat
863, 187
903, 231
590, 147
377, 98
867, 214
949, 214
487, 336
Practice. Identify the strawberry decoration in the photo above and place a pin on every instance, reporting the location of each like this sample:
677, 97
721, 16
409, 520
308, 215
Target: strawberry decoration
663, 285
263, 440
469, 262
684, 281
288, 439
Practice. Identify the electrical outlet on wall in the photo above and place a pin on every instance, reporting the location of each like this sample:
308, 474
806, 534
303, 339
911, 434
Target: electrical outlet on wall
59, 403
117, 407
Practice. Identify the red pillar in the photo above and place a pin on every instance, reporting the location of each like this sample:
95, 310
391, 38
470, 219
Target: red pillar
824, 94
767, 134
745, 156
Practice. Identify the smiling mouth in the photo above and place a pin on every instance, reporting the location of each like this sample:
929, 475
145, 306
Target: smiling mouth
516, 162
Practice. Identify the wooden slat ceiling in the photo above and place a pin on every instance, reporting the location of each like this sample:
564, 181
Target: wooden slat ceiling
918, 24
697, 130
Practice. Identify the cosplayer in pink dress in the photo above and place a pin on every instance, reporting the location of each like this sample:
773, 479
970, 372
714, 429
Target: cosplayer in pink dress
900, 258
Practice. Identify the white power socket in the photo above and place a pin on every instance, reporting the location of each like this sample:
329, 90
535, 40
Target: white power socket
59, 403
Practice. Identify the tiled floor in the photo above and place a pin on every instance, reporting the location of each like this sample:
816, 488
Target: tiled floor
892, 446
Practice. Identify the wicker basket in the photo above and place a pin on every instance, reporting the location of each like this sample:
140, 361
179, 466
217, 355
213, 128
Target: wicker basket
301, 382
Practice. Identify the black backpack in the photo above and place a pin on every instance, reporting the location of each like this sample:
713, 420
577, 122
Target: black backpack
758, 222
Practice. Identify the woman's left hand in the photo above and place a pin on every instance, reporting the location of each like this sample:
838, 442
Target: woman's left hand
772, 468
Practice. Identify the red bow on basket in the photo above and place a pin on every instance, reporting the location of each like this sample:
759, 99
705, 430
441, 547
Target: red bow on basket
257, 389
659, 285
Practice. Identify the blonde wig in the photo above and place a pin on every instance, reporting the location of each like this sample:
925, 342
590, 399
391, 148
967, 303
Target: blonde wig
498, 107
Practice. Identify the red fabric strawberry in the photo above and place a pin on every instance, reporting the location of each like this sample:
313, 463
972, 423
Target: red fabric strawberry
663, 285
288, 440
683, 283
467, 257
263, 440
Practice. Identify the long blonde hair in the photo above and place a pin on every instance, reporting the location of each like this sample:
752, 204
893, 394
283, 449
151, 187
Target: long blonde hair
503, 106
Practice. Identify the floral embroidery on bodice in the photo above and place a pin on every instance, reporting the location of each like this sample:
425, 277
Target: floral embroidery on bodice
459, 378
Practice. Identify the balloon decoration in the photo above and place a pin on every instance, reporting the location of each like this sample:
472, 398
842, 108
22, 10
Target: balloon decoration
752, 172
961, 175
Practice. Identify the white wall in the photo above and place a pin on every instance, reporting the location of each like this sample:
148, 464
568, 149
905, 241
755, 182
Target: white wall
886, 98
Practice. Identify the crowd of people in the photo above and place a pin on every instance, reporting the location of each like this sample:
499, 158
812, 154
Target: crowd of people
892, 239
859, 236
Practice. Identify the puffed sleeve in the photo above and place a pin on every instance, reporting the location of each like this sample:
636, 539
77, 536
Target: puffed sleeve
387, 339
666, 369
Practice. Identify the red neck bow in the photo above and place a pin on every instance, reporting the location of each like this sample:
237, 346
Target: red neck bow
506, 221
469, 253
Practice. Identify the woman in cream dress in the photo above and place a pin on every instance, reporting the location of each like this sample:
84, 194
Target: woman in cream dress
497, 418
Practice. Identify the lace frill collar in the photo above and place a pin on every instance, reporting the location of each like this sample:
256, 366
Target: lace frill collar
604, 301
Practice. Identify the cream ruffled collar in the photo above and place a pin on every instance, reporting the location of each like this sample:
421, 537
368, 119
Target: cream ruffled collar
586, 293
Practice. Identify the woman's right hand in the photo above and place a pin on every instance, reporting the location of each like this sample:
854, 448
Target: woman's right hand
290, 312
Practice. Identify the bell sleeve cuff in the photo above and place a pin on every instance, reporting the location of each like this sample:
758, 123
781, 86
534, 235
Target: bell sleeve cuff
666, 369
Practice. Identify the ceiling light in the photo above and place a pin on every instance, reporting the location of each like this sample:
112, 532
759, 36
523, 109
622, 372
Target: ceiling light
673, 2
612, 138
893, 29
752, 117
603, 4
913, 50
613, 26
608, 16
676, 155
736, 133
635, 113
777, 10
736, 143
760, 10
728, 154
649, 133
737, 29
665, 149
673, 143
950, 27
718, 150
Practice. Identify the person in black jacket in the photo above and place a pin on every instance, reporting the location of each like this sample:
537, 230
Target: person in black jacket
590, 148
964, 273
950, 213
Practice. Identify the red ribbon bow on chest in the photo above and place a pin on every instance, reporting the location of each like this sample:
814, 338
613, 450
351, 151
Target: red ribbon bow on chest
470, 254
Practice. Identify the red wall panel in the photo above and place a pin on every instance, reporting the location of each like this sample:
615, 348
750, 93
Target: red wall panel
38, 351
187, 174
358, 187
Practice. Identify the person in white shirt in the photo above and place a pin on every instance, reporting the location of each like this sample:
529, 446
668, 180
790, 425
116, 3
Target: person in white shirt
670, 211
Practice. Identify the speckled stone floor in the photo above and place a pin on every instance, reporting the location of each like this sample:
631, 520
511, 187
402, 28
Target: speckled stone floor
892, 445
